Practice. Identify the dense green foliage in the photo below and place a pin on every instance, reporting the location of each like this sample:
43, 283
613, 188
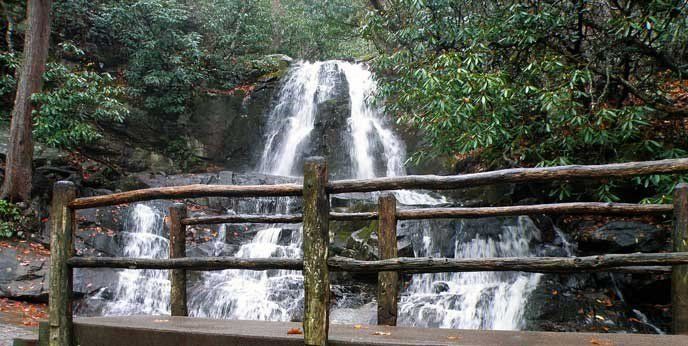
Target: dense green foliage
505, 84
525, 83
72, 102
10, 219
150, 57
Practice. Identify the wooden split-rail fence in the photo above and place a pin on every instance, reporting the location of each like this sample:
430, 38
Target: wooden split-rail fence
317, 263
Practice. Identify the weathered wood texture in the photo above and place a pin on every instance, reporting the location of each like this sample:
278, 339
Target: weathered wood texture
679, 276
188, 263
61, 249
43, 333
18, 164
387, 282
557, 208
366, 216
178, 297
639, 263
316, 241
514, 175
393, 183
523, 264
294, 218
441, 213
209, 220
189, 191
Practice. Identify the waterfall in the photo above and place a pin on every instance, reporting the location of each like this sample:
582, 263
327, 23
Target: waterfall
476, 300
369, 148
142, 291
275, 295
293, 119
254, 295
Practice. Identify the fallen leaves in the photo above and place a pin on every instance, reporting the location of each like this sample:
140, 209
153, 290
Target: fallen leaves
28, 313
382, 333
601, 342
294, 331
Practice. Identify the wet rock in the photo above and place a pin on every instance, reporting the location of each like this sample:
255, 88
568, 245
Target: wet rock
619, 237
439, 287
23, 274
96, 241
90, 280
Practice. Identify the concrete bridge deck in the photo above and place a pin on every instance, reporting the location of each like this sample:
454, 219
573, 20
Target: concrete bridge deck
184, 331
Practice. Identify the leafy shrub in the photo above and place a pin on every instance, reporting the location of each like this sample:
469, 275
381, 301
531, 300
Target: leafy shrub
11, 219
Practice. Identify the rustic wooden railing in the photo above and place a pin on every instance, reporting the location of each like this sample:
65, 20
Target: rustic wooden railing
317, 263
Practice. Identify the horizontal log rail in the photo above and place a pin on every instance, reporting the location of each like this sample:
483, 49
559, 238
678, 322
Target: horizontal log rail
514, 175
522, 264
403, 264
246, 218
188, 263
446, 213
434, 182
250, 218
555, 208
188, 191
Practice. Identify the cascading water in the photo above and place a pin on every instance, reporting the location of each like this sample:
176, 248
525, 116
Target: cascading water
466, 300
293, 119
143, 291
480, 300
274, 295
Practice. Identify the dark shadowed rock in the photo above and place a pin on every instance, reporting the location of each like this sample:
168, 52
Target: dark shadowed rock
620, 237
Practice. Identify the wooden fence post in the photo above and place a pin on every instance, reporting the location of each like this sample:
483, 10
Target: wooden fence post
61, 249
177, 250
316, 276
387, 282
679, 274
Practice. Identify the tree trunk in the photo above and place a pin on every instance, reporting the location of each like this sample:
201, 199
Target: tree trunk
18, 170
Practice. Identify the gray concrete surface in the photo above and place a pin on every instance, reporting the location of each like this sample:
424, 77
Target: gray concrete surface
181, 331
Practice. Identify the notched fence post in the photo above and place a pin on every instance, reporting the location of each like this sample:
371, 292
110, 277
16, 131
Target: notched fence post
61, 249
387, 282
178, 297
316, 212
679, 274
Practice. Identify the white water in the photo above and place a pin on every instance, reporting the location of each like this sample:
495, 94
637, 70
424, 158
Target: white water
480, 300
142, 291
253, 295
294, 117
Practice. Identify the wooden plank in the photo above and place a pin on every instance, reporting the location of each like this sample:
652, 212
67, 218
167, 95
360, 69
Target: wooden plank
61, 249
316, 239
651, 262
387, 282
514, 175
178, 297
550, 209
188, 191
679, 276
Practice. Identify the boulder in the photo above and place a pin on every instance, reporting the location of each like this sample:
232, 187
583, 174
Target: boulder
619, 237
23, 272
